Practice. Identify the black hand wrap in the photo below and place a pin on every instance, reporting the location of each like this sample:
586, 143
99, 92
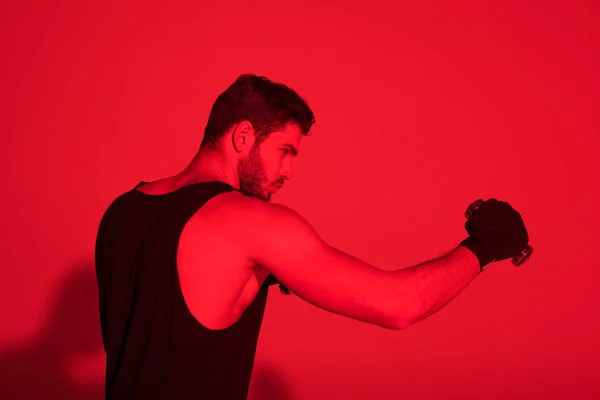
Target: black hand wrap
496, 232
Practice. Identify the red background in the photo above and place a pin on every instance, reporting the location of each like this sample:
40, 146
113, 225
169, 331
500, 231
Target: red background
420, 110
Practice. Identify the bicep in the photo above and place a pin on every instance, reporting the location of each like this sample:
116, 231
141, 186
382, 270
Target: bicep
326, 277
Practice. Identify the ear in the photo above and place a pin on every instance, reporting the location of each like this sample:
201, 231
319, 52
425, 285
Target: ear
242, 137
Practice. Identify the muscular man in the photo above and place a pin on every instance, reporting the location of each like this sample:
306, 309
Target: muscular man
184, 263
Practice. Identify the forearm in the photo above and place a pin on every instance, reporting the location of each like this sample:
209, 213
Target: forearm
429, 286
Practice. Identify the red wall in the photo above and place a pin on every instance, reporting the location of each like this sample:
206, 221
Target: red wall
421, 109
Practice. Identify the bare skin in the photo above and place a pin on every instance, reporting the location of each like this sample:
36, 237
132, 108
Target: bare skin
235, 240
218, 295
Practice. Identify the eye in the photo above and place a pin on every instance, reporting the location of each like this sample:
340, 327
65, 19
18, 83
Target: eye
285, 151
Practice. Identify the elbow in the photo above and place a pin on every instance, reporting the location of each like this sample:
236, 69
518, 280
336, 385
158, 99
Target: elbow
401, 322
391, 322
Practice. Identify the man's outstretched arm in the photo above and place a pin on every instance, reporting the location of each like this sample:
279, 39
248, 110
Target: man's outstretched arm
279, 239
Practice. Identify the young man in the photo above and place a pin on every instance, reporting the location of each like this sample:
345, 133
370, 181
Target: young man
184, 263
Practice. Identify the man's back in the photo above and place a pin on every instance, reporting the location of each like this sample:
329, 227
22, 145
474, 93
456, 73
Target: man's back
156, 343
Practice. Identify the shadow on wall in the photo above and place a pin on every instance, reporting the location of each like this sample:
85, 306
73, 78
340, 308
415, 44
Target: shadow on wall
65, 360
268, 384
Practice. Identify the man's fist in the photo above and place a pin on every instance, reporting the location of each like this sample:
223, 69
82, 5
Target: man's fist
496, 232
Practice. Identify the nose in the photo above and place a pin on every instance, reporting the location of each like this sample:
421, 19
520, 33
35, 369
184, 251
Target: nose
286, 172
287, 175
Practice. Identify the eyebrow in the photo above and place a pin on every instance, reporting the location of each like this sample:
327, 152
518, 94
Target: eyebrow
292, 149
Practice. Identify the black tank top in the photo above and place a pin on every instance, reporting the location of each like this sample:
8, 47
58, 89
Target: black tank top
155, 348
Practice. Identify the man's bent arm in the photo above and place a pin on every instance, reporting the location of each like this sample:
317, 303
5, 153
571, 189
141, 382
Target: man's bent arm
280, 240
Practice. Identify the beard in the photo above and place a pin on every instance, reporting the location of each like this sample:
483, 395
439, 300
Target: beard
253, 177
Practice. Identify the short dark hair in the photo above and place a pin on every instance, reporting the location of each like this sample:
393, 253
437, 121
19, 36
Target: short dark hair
267, 105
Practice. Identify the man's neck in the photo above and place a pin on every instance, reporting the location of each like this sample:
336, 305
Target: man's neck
209, 165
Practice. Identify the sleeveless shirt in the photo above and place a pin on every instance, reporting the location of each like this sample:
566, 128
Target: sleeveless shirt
155, 348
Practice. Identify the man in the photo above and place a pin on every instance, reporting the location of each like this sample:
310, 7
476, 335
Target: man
184, 263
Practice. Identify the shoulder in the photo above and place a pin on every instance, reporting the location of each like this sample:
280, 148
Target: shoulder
248, 222
234, 210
